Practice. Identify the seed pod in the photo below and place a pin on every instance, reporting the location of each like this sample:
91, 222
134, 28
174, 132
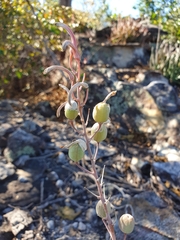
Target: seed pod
100, 209
71, 111
101, 112
101, 134
126, 223
76, 150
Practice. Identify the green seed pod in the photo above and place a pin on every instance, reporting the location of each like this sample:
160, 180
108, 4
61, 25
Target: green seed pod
71, 111
126, 223
100, 209
101, 112
101, 134
76, 150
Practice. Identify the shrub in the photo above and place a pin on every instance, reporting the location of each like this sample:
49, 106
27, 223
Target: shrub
166, 59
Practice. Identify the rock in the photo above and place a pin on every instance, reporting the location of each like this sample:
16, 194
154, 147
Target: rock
59, 183
45, 109
136, 106
168, 171
121, 56
33, 128
6, 170
171, 153
18, 220
152, 198
173, 123
21, 160
19, 120
50, 224
77, 183
35, 167
28, 235
22, 143
152, 221
145, 78
5, 130
24, 176
81, 226
164, 95
91, 215
75, 225
53, 176
61, 158
104, 150
5, 106
17, 193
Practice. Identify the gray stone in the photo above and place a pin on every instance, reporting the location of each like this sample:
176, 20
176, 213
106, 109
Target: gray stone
173, 123
77, 183
33, 128
153, 222
81, 226
22, 143
171, 153
136, 106
91, 215
152, 198
75, 225
61, 158
145, 78
121, 56
168, 171
5, 130
21, 160
53, 176
17, 194
18, 219
164, 95
5, 106
50, 224
24, 176
104, 150
59, 183
45, 109
6, 170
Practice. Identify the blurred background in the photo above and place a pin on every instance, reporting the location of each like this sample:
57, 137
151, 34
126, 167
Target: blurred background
30, 40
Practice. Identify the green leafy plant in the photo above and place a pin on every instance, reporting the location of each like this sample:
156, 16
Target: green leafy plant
29, 39
164, 12
166, 59
73, 107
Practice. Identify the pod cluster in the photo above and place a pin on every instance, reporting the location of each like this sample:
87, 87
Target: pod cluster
100, 115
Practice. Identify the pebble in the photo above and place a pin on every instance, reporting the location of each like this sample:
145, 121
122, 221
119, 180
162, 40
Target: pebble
29, 234
171, 153
77, 183
50, 224
81, 226
75, 225
59, 183
91, 215
6, 170
53, 176
19, 120
61, 158
173, 123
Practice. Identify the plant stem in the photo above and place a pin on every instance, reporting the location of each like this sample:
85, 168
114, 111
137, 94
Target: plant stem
109, 224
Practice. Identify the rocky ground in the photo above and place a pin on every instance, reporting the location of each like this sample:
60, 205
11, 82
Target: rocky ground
44, 195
